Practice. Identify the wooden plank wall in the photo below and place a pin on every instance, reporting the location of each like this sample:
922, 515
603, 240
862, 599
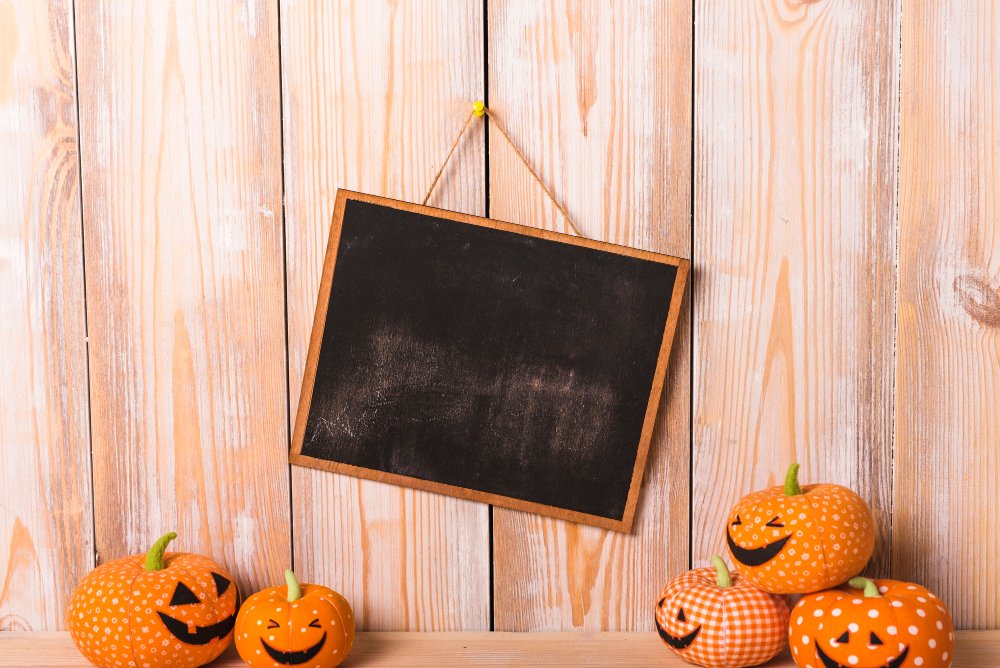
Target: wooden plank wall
374, 94
180, 151
795, 173
948, 349
46, 517
167, 186
616, 148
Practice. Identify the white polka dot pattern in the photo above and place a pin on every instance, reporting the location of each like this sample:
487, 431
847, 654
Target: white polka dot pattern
829, 537
319, 625
905, 626
114, 620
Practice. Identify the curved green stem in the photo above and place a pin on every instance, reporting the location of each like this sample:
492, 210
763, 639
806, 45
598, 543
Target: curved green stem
294, 590
871, 589
723, 578
792, 481
154, 558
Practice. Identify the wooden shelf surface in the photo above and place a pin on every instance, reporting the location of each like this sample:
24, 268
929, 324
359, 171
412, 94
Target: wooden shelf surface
976, 649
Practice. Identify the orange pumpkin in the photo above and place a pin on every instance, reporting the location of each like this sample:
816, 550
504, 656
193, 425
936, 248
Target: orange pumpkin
293, 625
711, 618
797, 540
171, 610
889, 624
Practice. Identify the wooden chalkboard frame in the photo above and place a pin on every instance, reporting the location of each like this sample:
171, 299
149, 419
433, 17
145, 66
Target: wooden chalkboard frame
315, 343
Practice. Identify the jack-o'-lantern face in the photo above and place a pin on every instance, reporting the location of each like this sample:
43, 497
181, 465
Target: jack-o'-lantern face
888, 625
711, 618
766, 551
281, 632
295, 625
172, 609
877, 653
201, 611
684, 639
794, 539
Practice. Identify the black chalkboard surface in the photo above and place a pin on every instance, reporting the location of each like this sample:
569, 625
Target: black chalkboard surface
490, 361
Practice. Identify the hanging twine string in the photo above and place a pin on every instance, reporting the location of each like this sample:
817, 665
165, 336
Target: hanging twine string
478, 111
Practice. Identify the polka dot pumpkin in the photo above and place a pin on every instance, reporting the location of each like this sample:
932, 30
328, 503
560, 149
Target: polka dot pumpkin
797, 540
887, 625
710, 618
165, 610
294, 625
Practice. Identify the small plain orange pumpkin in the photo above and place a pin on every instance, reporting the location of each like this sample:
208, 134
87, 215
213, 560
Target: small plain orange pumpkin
711, 618
797, 540
872, 624
169, 610
306, 625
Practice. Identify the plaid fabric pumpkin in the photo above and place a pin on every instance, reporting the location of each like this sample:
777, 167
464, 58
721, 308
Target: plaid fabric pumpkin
711, 618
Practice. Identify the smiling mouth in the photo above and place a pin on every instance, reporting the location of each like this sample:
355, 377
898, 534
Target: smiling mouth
758, 555
293, 658
830, 663
202, 634
674, 641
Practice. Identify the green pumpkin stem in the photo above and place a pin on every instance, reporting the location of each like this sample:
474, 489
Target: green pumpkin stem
154, 558
792, 481
871, 589
723, 578
294, 590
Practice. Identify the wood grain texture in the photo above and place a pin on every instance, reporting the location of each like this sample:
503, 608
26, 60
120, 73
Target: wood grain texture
598, 97
947, 456
180, 132
815, 337
46, 521
374, 93
795, 136
974, 649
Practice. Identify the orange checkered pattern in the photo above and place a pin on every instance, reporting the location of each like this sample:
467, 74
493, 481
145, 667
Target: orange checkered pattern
721, 628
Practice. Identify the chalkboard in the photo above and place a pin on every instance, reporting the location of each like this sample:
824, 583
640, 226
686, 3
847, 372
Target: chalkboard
489, 361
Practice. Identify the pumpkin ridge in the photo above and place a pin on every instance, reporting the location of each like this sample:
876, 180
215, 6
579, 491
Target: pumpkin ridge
821, 539
895, 618
131, 632
681, 582
336, 608
725, 630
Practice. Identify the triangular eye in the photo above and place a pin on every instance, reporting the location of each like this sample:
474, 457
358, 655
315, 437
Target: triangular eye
680, 615
183, 595
845, 638
874, 639
221, 583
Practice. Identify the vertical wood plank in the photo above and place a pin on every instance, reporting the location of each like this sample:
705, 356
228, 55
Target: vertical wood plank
46, 521
374, 94
947, 456
795, 144
599, 98
180, 131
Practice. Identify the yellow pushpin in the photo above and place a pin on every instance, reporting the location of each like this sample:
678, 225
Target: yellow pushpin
478, 108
